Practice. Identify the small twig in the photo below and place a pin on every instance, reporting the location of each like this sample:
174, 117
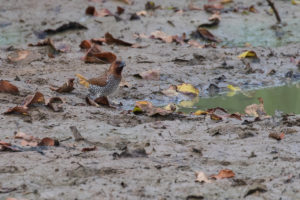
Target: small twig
271, 4
76, 133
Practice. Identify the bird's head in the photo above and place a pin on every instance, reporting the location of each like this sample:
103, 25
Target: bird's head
117, 67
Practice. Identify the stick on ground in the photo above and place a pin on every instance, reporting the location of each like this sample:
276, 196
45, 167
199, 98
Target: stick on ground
271, 4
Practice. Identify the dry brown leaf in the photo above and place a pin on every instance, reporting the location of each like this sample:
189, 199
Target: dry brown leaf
256, 110
17, 110
109, 39
94, 55
85, 44
66, 87
86, 149
149, 109
194, 43
193, 7
48, 142
129, 2
25, 143
7, 87
215, 117
171, 91
55, 103
18, 55
22, 135
149, 75
277, 136
53, 49
202, 178
224, 173
213, 8
37, 98
205, 34
120, 10
162, 36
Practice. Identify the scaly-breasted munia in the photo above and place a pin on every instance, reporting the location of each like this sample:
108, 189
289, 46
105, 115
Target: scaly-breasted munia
106, 84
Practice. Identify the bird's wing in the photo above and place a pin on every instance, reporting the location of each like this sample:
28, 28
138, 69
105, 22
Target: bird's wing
100, 81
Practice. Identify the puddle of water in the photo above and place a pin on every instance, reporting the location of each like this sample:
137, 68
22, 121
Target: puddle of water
283, 98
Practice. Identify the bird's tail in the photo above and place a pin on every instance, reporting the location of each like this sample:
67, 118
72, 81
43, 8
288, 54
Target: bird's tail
83, 81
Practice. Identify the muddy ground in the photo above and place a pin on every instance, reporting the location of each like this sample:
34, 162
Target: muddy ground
163, 153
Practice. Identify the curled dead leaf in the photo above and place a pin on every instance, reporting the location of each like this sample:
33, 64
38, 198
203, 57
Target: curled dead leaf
224, 173
95, 55
18, 55
55, 103
256, 110
85, 44
66, 87
202, 178
109, 39
48, 142
207, 35
17, 110
37, 98
215, 117
277, 136
149, 75
86, 149
162, 36
213, 8
148, 108
248, 54
7, 87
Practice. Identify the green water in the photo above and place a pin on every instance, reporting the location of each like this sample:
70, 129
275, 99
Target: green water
284, 98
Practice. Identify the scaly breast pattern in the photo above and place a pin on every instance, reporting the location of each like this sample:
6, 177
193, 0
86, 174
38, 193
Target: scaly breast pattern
112, 84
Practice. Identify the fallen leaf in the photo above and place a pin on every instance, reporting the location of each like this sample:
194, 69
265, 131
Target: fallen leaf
109, 39
86, 149
215, 117
233, 90
252, 9
226, 1
248, 54
7, 87
149, 109
37, 98
206, 35
17, 110
194, 43
149, 75
85, 44
188, 89
4, 146
53, 50
134, 16
256, 188
236, 116
55, 103
256, 110
66, 87
22, 135
213, 8
202, 178
277, 136
142, 13
65, 27
120, 10
162, 36
91, 102
104, 13
171, 91
224, 173
295, 2
193, 7
200, 112
214, 21
18, 55
150, 5
48, 142
102, 101
94, 55
129, 2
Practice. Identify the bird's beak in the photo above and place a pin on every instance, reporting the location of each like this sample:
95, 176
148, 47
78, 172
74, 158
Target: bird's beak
122, 64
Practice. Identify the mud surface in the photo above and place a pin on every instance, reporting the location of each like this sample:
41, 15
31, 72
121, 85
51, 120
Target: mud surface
140, 157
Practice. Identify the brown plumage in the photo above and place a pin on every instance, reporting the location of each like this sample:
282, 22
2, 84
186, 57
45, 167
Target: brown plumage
105, 84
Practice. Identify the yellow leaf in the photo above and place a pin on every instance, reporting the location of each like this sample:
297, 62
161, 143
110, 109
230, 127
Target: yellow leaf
187, 89
295, 2
137, 110
83, 81
248, 54
226, 1
232, 88
200, 112
189, 103
170, 107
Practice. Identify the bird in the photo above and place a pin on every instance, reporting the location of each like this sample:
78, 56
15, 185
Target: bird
102, 86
